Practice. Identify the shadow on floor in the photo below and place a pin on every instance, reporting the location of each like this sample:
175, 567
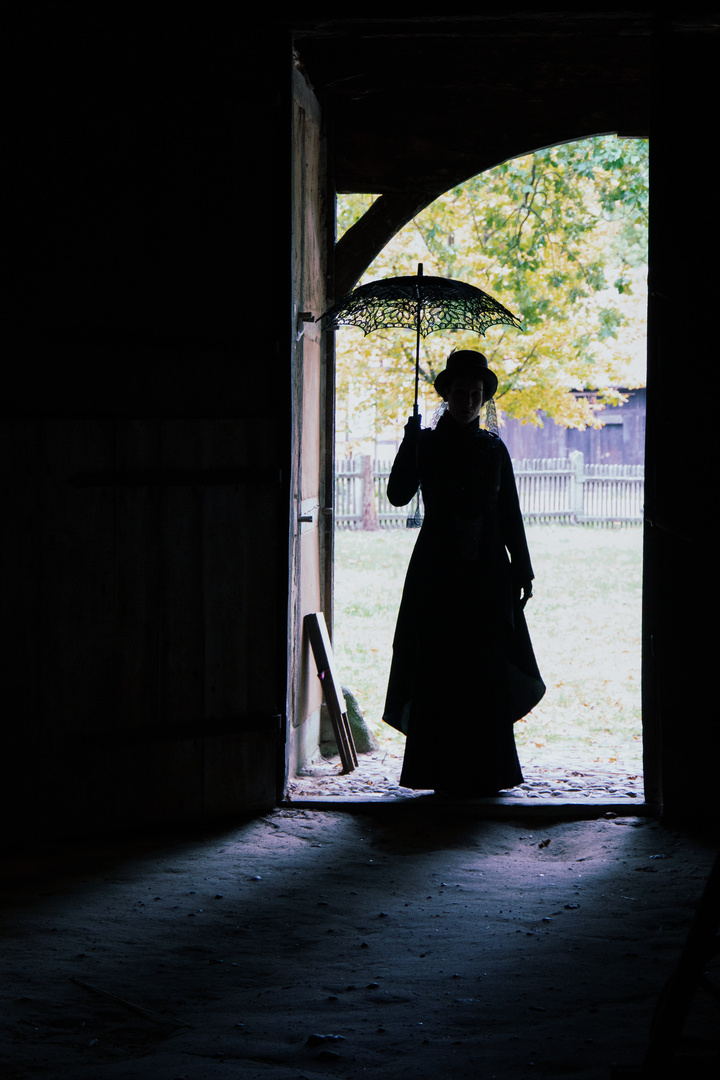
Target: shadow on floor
313, 943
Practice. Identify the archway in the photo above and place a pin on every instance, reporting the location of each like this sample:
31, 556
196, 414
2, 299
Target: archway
391, 259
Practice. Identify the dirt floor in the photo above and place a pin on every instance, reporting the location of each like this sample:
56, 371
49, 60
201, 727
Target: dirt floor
412, 939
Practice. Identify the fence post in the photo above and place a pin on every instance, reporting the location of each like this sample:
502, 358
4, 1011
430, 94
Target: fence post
577, 466
369, 513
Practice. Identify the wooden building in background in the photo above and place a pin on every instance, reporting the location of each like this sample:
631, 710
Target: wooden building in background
620, 440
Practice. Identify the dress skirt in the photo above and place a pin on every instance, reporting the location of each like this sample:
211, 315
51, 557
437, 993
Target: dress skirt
458, 681
463, 668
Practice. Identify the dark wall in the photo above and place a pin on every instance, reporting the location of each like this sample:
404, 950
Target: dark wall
680, 631
145, 441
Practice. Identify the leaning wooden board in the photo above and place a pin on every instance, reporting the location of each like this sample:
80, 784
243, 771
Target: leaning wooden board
332, 690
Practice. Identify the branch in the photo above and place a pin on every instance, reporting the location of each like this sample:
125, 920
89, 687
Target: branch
513, 378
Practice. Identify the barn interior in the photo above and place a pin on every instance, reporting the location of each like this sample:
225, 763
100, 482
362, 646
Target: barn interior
167, 449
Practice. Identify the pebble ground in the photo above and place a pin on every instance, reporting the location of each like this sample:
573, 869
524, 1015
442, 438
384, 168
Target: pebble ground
378, 774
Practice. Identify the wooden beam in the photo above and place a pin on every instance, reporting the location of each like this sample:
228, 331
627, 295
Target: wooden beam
365, 240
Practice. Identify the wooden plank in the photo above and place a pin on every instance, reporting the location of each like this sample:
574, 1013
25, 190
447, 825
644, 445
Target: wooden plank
334, 698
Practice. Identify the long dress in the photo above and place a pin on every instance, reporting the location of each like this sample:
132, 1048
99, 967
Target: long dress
463, 668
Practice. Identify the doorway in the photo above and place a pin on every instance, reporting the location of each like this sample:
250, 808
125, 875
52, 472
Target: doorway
368, 582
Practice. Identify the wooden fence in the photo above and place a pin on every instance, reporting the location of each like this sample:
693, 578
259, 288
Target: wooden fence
552, 490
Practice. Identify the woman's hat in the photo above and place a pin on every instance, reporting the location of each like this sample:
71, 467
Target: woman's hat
466, 362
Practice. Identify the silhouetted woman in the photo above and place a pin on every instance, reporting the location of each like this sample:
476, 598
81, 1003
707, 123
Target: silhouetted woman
463, 668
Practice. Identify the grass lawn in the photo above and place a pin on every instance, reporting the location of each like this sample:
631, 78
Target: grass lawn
584, 621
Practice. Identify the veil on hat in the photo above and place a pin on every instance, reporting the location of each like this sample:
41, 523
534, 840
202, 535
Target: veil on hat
491, 421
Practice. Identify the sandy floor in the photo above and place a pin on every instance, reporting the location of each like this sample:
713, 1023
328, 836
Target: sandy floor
411, 941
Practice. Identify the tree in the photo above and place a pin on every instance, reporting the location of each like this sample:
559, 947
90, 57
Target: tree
560, 238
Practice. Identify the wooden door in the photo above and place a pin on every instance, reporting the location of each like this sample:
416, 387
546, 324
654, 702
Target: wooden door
310, 515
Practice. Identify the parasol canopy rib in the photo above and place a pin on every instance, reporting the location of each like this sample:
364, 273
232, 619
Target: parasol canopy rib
445, 304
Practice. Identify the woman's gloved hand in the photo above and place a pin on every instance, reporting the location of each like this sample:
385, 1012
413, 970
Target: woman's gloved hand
413, 426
